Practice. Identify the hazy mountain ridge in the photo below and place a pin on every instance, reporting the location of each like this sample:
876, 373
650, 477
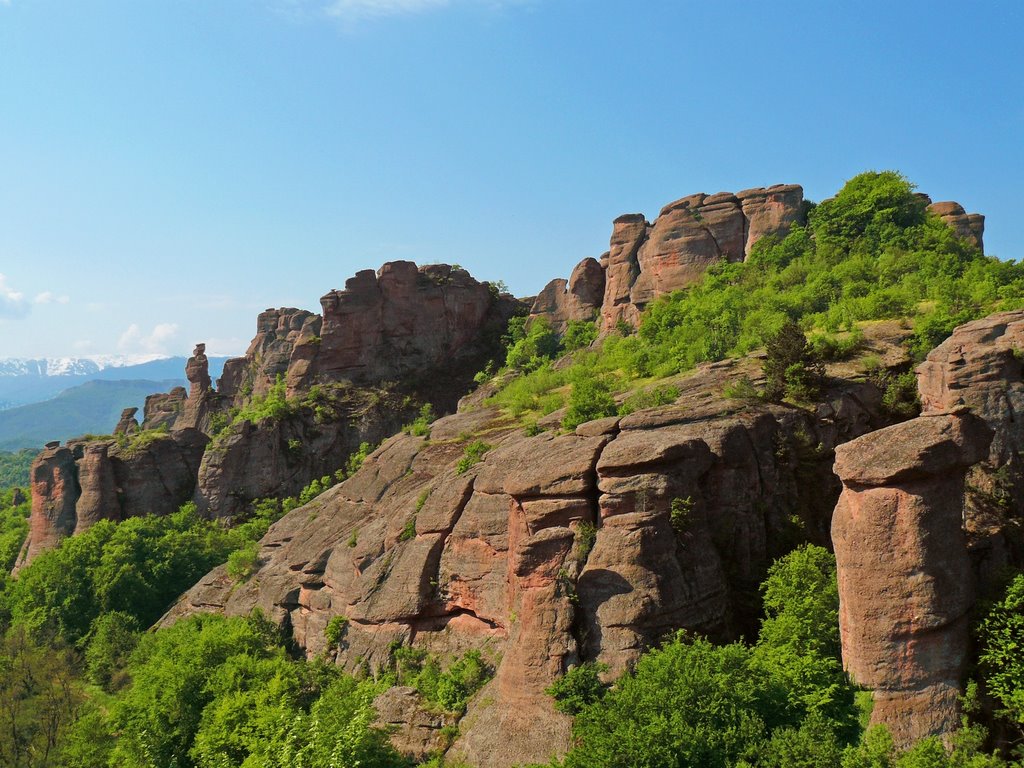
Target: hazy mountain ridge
26, 381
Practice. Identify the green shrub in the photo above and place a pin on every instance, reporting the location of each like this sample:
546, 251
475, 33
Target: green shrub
1001, 659
113, 637
578, 688
471, 454
590, 399
242, 563
578, 334
531, 346
408, 530
790, 367
421, 425
334, 630
649, 398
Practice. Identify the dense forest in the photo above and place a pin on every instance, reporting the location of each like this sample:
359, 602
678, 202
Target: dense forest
84, 684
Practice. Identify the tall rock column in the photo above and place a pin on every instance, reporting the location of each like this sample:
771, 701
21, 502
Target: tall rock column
54, 492
905, 579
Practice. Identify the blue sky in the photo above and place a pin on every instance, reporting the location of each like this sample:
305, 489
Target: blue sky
170, 168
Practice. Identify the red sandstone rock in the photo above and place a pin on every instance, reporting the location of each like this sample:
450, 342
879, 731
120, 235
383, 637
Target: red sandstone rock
127, 424
54, 493
905, 580
578, 299
971, 227
646, 261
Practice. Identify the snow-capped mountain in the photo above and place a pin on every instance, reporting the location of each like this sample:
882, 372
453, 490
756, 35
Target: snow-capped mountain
70, 366
25, 381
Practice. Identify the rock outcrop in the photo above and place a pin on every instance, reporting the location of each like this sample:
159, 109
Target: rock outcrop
929, 510
554, 549
969, 226
648, 260
432, 328
579, 299
905, 579
127, 424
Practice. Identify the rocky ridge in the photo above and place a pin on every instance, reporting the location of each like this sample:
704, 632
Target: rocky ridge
431, 327
555, 548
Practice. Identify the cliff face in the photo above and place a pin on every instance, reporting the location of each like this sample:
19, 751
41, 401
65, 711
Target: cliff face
430, 328
928, 514
555, 548
646, 260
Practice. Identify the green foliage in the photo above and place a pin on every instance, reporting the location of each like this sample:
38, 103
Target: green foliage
648, 398
38, 700
14, 467
408, 530
448, 689
13, 527
273, 406
785, 702
139, 566
790, 366
590, 399
578, 688
1001, 660
535, 392
870, 253
828, 347
689, 703
681, 514
877, 750
900, 399
421, 425
532, 346
113, 636
586, 536
741, 389
334, 630
355, 460
578, 334
471, 454
242, 563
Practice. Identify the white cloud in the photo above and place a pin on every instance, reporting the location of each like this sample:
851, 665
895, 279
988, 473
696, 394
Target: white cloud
134, 340
49, 297
12, 302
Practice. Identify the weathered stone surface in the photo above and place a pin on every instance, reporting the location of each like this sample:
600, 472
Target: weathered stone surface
969, 226
499, 557
163, 410
415, 730
127, 424
98, 499
905, 579
648, 260
54, 487
578, 299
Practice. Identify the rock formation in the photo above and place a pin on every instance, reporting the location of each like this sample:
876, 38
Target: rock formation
648, 260
578, 299
553, 549
969, 226
127, 423
432, 328
905, 579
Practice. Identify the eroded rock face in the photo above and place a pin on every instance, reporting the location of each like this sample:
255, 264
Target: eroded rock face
127, 424
578, 299
432, 328
648, 260
76, 486
54, 485
969, 226
905, 578
552, 550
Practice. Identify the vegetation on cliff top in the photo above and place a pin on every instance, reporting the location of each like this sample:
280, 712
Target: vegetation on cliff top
872, 252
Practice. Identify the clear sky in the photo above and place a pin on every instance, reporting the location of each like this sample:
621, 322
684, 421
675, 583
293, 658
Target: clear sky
169, 168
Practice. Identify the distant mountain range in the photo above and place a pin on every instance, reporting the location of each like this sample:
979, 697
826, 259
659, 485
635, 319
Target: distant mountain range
57, 398
23, 382
90, 408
